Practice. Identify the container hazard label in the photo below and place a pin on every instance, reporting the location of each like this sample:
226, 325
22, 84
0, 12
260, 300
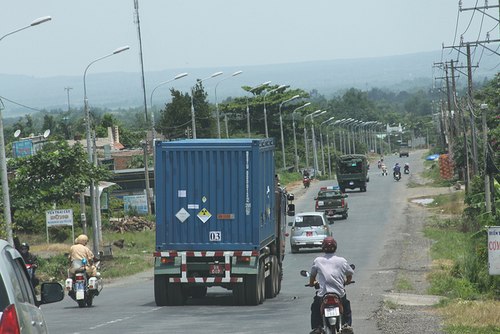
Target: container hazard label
182, 215
204, 215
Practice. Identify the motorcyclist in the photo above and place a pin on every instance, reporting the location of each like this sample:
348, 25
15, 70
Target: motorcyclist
384, 169
396, 169
332, 272
305, 173
80, 251
407, 167
31, 259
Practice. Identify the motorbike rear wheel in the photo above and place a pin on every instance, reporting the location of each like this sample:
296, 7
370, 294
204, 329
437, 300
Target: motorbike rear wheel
81, 303
89, 300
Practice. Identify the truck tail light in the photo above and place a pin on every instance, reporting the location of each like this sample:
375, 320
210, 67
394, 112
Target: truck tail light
8, 322
342, 202
317, 205
243, 259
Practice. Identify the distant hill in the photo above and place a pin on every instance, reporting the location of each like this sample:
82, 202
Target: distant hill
123, 90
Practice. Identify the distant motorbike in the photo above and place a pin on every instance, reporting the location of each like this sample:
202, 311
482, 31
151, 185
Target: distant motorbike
306, 181
406, 169
397, 176
331, 308
82, 288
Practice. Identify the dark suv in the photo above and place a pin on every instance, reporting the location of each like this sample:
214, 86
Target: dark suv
332, 202
19, 308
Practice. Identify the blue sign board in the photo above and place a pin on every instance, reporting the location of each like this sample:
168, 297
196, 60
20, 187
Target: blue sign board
22, 148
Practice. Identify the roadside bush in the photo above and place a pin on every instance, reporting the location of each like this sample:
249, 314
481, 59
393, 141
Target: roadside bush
444, 284
53, 268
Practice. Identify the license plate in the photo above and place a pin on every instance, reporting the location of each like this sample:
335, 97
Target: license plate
332, 312
309, 234
330, 213
79, 286
216, 269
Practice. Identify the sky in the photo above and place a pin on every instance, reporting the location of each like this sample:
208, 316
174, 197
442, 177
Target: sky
180, 34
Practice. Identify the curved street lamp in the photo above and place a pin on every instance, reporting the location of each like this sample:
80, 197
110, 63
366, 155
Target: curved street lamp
265, 111
294, 135
95, 200
305, 135
217, 104
281, 128
3, 160
248, 107
193, 117
327, 144
315, 149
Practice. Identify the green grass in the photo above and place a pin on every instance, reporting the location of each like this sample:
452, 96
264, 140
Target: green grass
403, 284
432, 172
471, 330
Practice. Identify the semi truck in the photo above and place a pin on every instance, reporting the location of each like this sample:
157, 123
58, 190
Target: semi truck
220, 220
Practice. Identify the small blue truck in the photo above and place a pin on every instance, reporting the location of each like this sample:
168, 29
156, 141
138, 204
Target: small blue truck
220, 220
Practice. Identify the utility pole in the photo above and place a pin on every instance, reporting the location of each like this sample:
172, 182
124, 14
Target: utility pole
67, 89
487, 194
146, 170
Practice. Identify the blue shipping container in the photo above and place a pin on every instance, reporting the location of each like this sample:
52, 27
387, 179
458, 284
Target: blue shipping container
215, 194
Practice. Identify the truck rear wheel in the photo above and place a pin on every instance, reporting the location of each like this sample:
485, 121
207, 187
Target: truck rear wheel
272, 279
254, 287
160, 283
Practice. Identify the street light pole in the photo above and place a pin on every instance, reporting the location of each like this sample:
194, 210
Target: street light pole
95, 223
248, 107
217, 104
281, 129
305, 135
327, 143
3, 160
265, 111
296, 160
315, 150
193, 117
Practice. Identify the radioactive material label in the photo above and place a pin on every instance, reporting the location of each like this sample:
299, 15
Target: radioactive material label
204, 215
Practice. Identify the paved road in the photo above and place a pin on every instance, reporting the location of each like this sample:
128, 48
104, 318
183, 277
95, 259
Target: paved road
365, 238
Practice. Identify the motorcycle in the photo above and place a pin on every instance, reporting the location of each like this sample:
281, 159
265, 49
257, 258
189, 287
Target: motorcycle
406, 169
31, 268
82, 288
397, 176
306, 181
331, 308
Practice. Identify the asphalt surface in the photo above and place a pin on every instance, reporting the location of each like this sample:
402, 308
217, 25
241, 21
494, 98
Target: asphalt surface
366, 239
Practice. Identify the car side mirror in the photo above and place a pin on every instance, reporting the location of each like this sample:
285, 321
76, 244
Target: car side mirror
291, 210
51, 292
290, 197
290, 224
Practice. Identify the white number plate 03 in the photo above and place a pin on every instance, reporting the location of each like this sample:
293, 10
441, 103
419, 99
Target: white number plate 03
215, 236
332, 312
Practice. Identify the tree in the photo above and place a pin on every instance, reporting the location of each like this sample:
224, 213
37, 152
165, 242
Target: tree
51, 176
176, 116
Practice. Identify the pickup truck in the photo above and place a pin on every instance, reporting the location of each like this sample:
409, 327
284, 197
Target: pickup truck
332, 201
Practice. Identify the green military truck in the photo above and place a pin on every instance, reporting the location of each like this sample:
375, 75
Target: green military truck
352, 172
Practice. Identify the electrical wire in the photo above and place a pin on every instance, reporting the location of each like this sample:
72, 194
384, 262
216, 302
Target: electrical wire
19, 104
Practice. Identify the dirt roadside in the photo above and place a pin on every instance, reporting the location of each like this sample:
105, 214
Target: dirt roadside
411, 311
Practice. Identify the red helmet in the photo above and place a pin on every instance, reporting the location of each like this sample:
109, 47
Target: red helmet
329, 245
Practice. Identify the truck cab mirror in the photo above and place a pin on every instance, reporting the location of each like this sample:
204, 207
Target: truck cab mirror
291, 209
290, 197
